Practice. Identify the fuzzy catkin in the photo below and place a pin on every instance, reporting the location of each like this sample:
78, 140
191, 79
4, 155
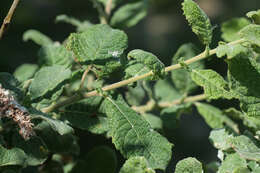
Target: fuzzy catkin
10, 108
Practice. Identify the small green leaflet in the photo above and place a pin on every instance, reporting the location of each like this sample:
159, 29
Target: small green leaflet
230, 50
153, 120
136, 165
214, 117
231, 28
130, 14
14, 156
181, 77
47, 79
255, 16
189, 165
219, 138
148, 59
135, 95
55, 54
245, 147
25, 72
135, 69
99, 42
214, 85
251, 33
81, 26
198, 20
133, 135
233, 163
37, 37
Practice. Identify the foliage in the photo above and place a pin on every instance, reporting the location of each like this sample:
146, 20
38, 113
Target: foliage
69, 93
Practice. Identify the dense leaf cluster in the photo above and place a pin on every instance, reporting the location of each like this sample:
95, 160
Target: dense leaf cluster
71, 89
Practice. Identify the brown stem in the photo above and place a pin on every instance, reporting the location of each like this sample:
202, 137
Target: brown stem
8, 18
109, 7
84, 77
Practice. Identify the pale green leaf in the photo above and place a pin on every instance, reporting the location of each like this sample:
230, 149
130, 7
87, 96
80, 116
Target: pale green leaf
135, 95
254, 166
232, 163
35, 149
164, 91
153, 120
245, 147
81, 26
148, 59
214, 117
231, 28
136, 165
25, 71
189, 165
55, 54
99, 42
230, 50
14, 156
251, 33
47, 79
135, 69
254, 15
198, 20
219, 138
181, 77
214, 85
37, 37
130, 14
133, 135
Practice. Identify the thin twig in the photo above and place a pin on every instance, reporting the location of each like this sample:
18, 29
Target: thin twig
8, 18
108, 7
84, 77
132, 80
145, 108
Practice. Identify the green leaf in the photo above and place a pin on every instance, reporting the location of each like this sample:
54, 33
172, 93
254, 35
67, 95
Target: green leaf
55, 54
99, 42
165, 92
232, 163
135, 69
181, 77
230, 50
25, 72
130, 14
48, 79
245, 147
214, 117
153, 120
55, 142
133, 136
171, 116
214, 85
81, 26
86, 115
219, 138
254, 15
57, 125
251, 33
254, 166
198, 20
189, 165
136, 95
36, 151
231, 28
136, 165
94, 158
148, 59
14, 156
37, 37
245, 82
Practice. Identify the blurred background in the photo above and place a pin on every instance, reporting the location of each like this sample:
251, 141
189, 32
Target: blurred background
162, 32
